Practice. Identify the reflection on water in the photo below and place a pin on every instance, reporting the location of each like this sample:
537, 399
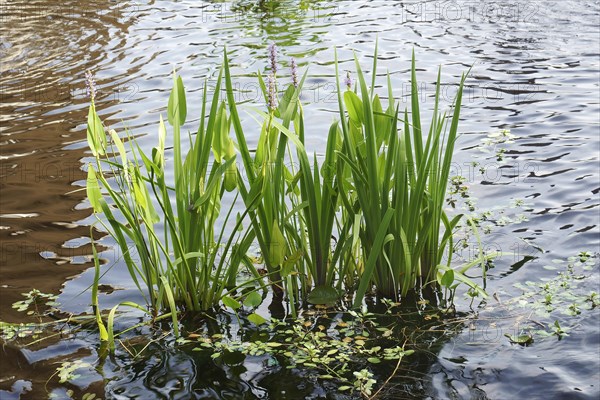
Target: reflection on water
46, 49
535, 66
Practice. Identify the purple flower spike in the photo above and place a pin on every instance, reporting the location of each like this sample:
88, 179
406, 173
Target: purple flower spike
273, 57
272, 92
91, 85
348, 81
294, 73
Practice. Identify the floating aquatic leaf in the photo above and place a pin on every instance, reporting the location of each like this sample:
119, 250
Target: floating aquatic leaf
231, 302
256, 319
520, 339
253, 299
326, 295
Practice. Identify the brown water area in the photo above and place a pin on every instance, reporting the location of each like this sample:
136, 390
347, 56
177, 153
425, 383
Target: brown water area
46, 49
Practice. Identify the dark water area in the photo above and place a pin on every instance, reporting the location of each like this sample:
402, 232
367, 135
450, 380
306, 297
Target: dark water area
535, 72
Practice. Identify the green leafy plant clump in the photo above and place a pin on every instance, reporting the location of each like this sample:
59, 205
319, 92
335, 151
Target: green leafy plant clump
368, 216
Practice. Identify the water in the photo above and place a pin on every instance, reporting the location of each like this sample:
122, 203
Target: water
534, 71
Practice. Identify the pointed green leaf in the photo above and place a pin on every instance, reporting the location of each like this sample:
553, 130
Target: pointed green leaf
256, 319
354, 106
95, 132
231, 173
172, 307
213, 185
220, 137
159, 158
93, 190
231, 302
177, 104
120, 148
277, 247
288, 265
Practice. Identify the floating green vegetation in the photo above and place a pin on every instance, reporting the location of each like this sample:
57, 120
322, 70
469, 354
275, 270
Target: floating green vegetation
13, 331
70, 394
551, 306
67, 369
329, 349
352, 352
36, 303
493, 142
559, 294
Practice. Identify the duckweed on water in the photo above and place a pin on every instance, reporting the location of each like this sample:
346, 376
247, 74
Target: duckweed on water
36, 303
550, 307
338, 349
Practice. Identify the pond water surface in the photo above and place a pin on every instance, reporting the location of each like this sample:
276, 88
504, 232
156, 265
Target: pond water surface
535, 72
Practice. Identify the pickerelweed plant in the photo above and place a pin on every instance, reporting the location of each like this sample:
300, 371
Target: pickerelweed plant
370, 214
398, 185
294, 242
178, 249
